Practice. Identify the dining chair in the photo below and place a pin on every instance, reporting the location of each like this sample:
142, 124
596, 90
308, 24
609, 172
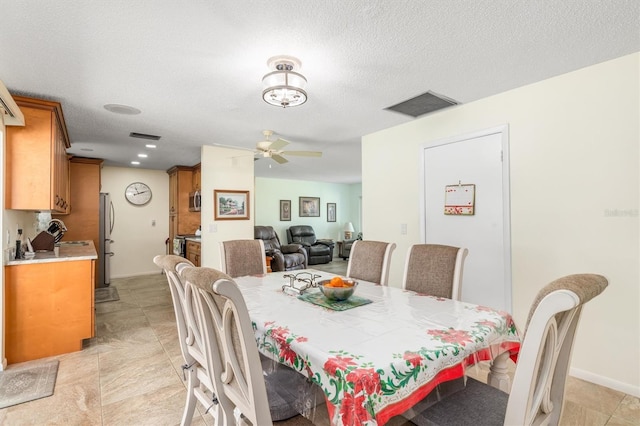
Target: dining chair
242, 257
232, 360
537, 392
199, 387
434, 269
369, 261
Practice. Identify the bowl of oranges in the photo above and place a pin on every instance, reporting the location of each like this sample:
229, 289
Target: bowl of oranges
337, 288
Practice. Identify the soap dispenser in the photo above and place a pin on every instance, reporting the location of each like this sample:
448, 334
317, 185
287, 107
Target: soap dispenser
199, 231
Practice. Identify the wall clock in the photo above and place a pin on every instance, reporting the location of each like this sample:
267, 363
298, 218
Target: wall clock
138, 193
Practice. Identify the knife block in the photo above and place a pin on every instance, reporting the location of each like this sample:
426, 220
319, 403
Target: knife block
44, 241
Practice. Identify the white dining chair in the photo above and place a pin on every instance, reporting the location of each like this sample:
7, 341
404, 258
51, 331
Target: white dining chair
199, 387
369, 261
232, 361
434, 269
537, 392
242, 257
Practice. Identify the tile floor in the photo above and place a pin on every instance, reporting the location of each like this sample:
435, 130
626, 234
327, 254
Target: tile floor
130, 373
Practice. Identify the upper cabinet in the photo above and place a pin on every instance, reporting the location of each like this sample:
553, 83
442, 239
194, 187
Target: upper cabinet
196, 178
37, 168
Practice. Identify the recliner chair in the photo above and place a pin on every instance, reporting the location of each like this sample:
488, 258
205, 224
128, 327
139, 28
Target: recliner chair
288, 257
318, 251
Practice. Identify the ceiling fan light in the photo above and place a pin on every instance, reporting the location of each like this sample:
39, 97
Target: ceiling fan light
284, 87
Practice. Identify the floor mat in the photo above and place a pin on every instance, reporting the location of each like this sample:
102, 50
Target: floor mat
27, 381
106, 294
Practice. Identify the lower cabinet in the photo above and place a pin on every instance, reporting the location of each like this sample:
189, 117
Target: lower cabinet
49, 308
193, 252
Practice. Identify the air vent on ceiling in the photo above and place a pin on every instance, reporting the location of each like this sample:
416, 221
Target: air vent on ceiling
144, 136
423, 104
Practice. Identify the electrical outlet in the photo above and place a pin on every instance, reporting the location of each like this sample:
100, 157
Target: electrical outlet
213, 227
403, 228
153, 222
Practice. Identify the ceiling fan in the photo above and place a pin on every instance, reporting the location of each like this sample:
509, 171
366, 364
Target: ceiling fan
273, 149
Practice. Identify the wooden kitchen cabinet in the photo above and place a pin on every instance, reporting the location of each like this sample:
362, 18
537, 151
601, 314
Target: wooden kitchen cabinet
37, 173
83, 218
193, 252
49, 308
181, 220
197, 177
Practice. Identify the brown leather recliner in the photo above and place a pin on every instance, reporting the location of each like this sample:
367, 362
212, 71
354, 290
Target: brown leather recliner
288, 257
318, 251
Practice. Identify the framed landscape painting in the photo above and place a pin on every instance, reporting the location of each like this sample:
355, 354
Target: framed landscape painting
230, 204
309, 207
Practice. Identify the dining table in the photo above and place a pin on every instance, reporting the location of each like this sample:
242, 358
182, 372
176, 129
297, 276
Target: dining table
382, 351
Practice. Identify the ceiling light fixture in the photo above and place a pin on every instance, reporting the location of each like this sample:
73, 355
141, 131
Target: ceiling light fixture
149, 145
122, 109
284, 87
142, 155
135, 163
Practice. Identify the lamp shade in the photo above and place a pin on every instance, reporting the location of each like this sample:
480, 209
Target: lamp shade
348, 227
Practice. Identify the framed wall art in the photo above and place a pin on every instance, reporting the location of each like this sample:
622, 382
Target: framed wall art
331, 212
285, 210
309, 207
230, 204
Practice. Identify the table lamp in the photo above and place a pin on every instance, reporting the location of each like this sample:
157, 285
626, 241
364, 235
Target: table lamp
348, 230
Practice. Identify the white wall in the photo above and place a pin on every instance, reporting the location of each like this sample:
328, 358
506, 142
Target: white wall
574, 142
226, 169
270, 191
136, 241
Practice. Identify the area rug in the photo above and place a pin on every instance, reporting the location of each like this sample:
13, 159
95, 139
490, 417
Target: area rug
106, 294
27, 381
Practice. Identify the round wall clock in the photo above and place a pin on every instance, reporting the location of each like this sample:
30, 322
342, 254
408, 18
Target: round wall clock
138, 193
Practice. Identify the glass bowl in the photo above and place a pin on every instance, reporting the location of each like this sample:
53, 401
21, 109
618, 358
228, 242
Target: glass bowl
338, 293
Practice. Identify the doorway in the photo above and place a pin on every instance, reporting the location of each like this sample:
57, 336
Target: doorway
479, 161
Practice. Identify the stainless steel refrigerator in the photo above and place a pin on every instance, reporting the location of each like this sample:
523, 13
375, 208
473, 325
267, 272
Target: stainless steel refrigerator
107, 220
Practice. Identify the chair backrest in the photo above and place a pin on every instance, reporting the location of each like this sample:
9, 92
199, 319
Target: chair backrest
303, 234
537, 392
242, 257
369, 261
172, 264
268, 235
232, 358
434, 269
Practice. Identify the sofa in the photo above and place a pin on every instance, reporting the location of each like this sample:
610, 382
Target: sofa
318, 251
288, 257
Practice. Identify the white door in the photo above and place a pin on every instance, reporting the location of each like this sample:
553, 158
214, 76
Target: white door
480, 159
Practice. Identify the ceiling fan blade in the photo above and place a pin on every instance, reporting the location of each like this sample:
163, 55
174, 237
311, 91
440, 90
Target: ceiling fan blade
278, 145
279, 158
303, 153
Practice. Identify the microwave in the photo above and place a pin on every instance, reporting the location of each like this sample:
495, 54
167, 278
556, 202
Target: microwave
194, 201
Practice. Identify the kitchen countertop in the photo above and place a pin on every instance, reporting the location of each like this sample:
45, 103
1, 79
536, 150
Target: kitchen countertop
68, 251
194, 239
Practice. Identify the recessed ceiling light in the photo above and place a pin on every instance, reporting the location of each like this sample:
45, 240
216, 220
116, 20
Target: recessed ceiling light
122, 109
135, 163
150, 145
142, 155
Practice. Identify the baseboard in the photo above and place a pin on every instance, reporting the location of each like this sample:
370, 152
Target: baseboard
137, 274
606, 382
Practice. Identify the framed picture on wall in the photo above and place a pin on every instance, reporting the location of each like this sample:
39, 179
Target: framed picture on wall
285, 210
331, 212
230, 204
309, 207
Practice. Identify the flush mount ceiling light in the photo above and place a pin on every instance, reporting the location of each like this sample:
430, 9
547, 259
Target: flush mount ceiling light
284, 87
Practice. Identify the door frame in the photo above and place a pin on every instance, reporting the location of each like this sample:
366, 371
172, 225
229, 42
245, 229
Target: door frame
503, 130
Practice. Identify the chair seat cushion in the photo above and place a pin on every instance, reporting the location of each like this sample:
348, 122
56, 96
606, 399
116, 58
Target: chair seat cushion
319, 250
476, 404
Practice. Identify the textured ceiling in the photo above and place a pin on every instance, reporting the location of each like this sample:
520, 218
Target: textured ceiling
195, 68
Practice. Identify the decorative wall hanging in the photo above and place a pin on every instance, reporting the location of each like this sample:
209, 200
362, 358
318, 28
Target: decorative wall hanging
285, 210
459, 199
309, 207
331, 212
230, 204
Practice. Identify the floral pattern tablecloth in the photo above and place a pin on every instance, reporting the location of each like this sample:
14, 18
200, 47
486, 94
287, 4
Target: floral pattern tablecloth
374, 361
